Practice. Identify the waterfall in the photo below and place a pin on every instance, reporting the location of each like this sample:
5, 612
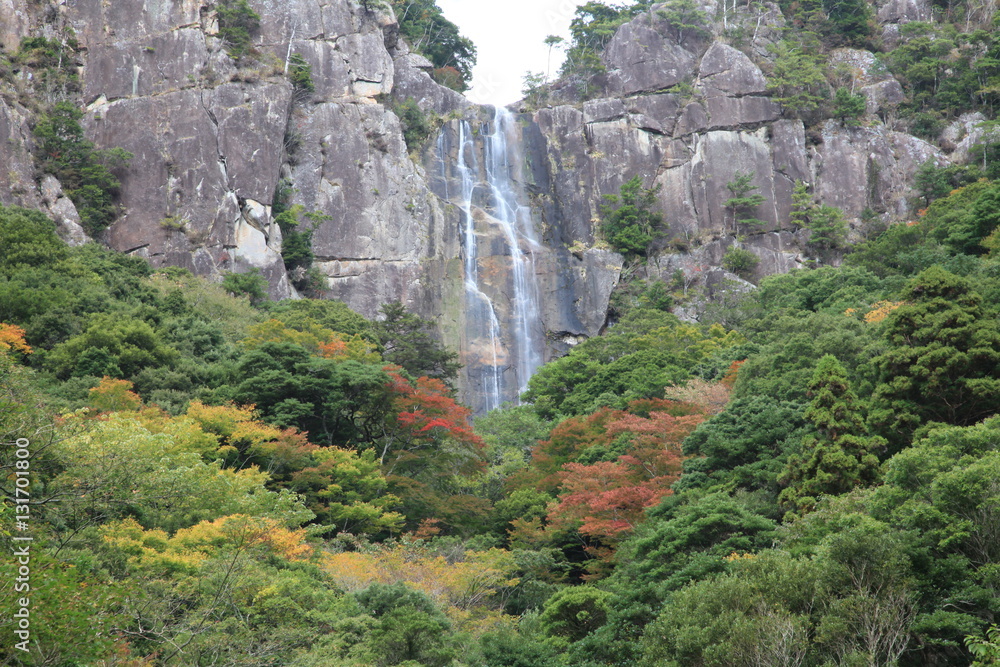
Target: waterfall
515, 219
504, 339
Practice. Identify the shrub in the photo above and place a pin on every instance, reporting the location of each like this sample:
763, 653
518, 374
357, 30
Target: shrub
300, 74
237, 24
741, 262
629, 223
416, 126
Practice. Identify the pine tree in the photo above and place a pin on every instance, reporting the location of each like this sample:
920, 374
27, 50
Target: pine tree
943, 358
841, 457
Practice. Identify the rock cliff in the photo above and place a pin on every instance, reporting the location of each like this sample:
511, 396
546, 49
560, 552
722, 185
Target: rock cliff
214, 139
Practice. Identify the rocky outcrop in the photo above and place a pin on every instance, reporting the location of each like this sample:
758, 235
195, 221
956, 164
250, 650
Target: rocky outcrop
717, 121
687, 109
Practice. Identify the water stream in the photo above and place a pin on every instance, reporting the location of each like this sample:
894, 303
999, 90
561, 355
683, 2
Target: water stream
504, 334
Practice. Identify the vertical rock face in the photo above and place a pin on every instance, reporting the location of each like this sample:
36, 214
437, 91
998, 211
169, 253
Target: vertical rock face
693, 140
214, 139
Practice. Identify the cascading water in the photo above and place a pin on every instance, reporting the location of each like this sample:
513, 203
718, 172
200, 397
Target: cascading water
515, 219
503, 331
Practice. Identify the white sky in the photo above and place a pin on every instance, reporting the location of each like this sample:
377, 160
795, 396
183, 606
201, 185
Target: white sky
509, 36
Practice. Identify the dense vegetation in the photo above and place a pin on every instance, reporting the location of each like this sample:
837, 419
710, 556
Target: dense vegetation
428, 32
809, 476
811, 480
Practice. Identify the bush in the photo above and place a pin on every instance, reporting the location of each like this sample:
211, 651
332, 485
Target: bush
741, 262
628, 222
300, 74
85, 173
237, 24
416, 126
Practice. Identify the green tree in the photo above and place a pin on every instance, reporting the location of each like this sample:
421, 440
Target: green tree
629, 222
743, 200
842, 457
125, 344
301, 314
428, 32
407, 341
87, 174
251, 284
409, 629
238, 23
685, 16
943, 358
848, 107
797, 81
574, 612
745, 445
827, 223
337, 403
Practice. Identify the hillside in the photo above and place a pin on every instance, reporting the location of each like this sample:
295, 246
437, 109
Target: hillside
739, 265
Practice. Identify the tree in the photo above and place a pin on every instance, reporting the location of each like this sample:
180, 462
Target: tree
238, 22
406, 341
340, 403
251, 284
346, 491
685, 15
551, 41
848, 107
743, 203
943, 358
607, 500
842, 457
797, 80
112, 345
827, 223
428, 32
429, 452
87, 174
574, 612
629, 222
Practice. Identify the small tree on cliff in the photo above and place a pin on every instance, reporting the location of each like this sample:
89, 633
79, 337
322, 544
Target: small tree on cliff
744, 200
629, 222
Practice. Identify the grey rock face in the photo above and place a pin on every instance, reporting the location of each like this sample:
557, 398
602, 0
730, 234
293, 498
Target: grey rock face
640, 58
726, 71
212, 138
17, 187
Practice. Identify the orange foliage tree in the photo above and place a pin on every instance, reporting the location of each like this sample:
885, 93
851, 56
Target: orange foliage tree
111, 395
606, 469
12, 338
429, 452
